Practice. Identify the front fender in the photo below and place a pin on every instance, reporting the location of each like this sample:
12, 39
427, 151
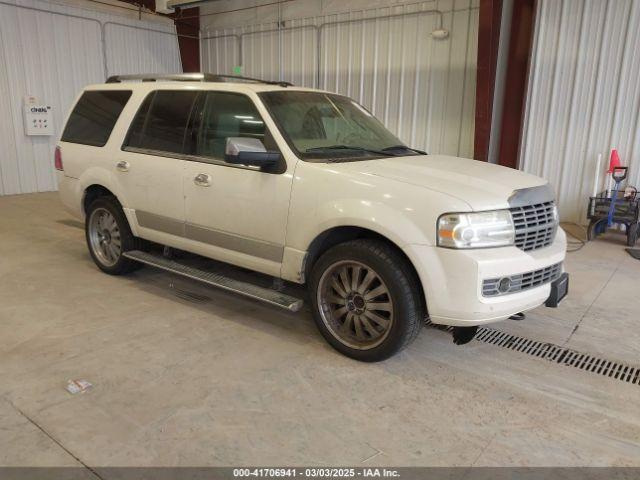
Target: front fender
324, 197
383, 219
328, 196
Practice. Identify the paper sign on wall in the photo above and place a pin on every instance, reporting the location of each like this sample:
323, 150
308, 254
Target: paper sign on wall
38, 118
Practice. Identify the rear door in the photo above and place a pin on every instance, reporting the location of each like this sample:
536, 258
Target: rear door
149, 166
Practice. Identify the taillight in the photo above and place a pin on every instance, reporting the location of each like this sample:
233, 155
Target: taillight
58, 159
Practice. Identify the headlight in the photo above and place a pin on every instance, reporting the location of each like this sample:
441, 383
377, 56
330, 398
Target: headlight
476, 230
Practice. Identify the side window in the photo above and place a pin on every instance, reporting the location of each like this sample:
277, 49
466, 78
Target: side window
227, 115
161, 122
94, 117
136, 129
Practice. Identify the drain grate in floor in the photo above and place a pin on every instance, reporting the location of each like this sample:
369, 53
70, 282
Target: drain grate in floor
556, 354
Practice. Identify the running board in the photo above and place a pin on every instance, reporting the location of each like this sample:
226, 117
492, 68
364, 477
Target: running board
250, 290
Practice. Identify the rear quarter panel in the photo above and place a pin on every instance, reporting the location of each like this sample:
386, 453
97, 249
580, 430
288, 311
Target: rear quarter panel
94, 165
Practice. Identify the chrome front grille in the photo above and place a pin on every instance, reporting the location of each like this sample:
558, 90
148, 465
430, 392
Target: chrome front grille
522, 281
535, 225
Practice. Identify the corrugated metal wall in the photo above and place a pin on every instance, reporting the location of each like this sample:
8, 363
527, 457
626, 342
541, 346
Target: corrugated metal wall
140, 47
423, 89
583, 95
52, 57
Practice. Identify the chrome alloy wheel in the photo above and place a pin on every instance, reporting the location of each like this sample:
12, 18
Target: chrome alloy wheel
104, 236
355, 304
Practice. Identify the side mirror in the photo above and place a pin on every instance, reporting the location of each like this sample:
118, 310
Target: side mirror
249, 151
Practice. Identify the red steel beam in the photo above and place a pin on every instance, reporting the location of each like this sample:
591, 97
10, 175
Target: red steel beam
488, 41
522, 25
189, 47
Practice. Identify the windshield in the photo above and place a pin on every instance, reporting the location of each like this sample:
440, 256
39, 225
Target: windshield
326, 127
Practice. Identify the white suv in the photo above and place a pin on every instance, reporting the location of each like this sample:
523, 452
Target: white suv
307, 186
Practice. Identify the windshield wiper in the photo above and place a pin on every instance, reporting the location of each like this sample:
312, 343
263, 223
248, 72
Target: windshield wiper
349, 147
403, 147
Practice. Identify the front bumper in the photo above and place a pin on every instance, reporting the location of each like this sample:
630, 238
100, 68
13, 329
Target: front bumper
452, 280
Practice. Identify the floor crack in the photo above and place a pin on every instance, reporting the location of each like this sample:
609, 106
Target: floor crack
378, 452
484, 448
54, 440
575, 329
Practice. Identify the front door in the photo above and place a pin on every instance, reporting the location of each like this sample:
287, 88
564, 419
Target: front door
237, 214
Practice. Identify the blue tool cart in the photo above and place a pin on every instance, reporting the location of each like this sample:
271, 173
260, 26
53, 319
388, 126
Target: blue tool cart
615, 207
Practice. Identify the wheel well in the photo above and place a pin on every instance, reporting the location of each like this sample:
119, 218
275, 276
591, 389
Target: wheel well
331, 238
92, 193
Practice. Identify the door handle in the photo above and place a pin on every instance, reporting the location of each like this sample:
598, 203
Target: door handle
123, 166
202, 180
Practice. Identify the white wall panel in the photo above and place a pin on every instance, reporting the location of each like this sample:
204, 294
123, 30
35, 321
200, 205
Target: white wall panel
52, 57
423, 89
583, 95
221, 53
154, 50
289, 55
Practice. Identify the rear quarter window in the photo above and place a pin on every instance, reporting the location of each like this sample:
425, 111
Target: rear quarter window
94, 117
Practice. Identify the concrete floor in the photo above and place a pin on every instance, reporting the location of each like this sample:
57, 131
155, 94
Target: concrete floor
220, 380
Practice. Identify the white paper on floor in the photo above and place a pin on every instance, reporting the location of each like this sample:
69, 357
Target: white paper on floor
78, 386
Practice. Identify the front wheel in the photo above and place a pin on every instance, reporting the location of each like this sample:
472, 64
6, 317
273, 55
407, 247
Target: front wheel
366, 299
108, 236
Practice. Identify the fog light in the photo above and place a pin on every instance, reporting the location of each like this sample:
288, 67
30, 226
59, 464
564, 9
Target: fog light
504, 285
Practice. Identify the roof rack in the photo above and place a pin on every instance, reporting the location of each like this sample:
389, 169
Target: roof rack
192, 77
234, 78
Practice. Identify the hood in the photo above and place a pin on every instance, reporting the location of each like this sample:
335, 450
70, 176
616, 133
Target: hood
482, 185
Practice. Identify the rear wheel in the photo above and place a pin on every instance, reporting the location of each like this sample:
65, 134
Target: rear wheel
108, 235
632, 234
365, 299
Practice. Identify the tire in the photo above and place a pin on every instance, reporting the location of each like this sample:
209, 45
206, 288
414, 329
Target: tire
105, 227
632, 235
377, 318
595, 228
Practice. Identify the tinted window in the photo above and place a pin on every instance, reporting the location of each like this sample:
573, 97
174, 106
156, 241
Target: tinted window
161, 122
227, 115
94, 116
137, 126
